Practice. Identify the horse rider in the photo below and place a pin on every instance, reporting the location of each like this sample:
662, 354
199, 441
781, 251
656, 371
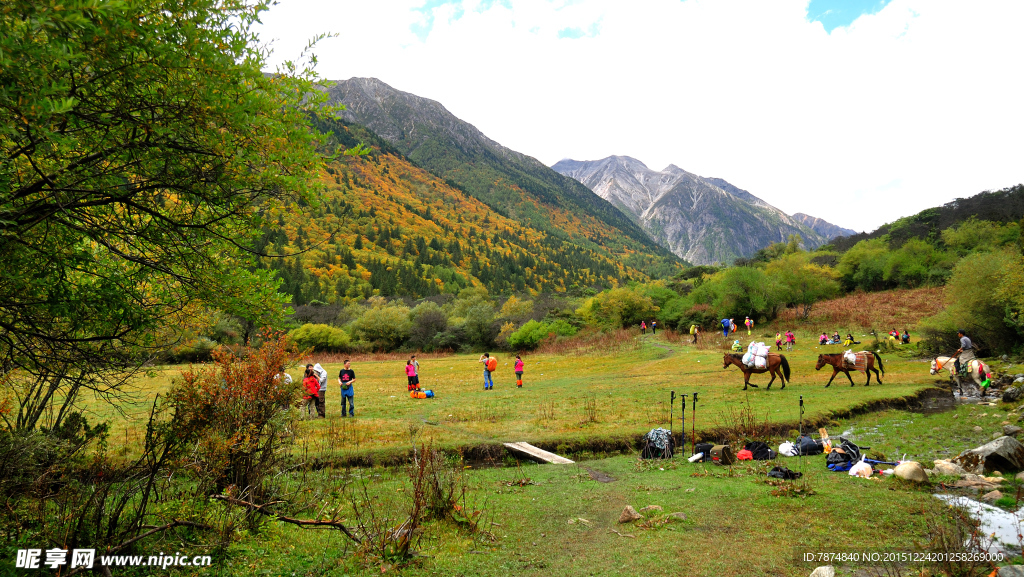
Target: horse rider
965, 354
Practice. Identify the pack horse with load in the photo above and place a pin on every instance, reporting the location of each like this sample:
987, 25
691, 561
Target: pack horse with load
759, 359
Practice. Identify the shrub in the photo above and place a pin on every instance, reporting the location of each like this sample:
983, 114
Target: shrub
232, 410
428, 321
384, 327
321, 338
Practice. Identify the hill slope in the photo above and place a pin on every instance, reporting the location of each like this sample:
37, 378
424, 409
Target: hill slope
1006, 205
512, 184
385, 226
702, 220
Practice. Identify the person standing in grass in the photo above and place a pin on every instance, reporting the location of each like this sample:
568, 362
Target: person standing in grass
749, 324
654, 327
416, 365
696, 333
311, 385
778, 340
490, 364
321, 374
643, 327
790, 340
410, 371
347, 378
725, 327
519, 372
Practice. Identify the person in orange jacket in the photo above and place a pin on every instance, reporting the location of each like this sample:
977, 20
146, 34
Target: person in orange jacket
311, 384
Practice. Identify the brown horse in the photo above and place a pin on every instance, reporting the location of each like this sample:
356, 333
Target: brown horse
865, 362
775, 361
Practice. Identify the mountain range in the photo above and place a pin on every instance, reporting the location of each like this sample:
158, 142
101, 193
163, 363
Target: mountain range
702, 220
512, 184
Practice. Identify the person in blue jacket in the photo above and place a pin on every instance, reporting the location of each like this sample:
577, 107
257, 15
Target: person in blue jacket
726, 325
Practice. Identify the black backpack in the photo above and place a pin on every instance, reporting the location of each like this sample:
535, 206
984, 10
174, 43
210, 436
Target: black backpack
760, 451
808, 446
784, 473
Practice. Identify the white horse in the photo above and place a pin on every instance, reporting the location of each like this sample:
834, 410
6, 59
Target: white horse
979, 371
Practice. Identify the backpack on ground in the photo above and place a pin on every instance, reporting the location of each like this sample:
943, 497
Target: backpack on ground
760, 451
808, 446
843, 457
784, 473
703, 448
657, 444
492, 364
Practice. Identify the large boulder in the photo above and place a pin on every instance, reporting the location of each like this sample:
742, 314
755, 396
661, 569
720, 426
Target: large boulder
1002, 454
1014, 392
911, 471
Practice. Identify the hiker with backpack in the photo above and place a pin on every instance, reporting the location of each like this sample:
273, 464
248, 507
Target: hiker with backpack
778, 340
490, 365
519, 372
643, 327
749, 324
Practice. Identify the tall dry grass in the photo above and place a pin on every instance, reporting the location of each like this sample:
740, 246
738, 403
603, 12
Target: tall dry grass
900, 308
591, 341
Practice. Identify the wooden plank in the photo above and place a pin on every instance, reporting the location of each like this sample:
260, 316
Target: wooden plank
536, 454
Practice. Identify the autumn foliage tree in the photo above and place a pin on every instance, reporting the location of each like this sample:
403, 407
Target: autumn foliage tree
140, 146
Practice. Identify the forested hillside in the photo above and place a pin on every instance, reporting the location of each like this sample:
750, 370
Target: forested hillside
511, 183
385, 226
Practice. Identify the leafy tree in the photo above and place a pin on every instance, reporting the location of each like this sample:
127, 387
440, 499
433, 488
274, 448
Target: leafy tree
516, 309
321, 338
141, 143
863, 266
984, 293
384, 327
428, 321
621, 307
742, 291
803, 282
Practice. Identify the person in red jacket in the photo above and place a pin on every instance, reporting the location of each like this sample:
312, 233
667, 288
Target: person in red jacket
311, 384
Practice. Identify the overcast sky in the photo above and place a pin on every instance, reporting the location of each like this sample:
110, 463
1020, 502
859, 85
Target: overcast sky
857, 112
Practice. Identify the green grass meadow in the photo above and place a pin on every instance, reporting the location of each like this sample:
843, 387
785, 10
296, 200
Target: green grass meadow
565, 399
563, 519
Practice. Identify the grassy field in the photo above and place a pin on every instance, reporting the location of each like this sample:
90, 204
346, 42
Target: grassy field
582, 402
559, 520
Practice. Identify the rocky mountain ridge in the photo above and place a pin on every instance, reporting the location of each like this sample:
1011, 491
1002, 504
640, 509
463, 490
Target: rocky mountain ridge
701, 220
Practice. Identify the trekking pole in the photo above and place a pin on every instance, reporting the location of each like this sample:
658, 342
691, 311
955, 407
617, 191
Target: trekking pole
693, 425
671, 408
800, 451
682, 423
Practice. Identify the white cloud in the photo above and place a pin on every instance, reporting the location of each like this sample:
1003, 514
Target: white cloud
903, 109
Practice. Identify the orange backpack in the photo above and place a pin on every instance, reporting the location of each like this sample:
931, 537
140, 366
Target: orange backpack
492, 364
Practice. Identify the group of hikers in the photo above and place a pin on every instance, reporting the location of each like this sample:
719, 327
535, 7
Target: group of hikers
314, 385
653, 325
491, 366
